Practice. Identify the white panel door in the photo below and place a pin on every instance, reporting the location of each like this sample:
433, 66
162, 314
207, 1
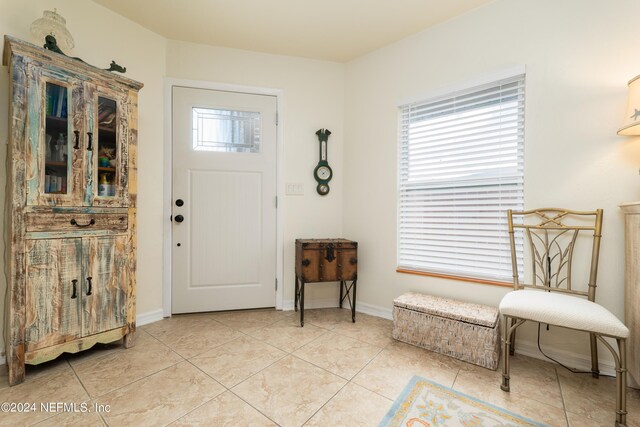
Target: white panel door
224, 172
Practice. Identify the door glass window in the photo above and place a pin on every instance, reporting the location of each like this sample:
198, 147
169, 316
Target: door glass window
226, 130
56, 152
107, 147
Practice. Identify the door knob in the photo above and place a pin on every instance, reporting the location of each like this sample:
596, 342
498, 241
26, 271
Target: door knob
179, 202
179, 218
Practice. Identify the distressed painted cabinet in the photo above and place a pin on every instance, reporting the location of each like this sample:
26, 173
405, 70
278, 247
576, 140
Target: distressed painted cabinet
632, 285
71, 206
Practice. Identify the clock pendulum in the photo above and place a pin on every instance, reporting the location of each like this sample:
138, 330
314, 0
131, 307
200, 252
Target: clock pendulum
323, 173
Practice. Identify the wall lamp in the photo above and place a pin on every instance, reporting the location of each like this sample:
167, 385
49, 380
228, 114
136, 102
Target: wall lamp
631, 124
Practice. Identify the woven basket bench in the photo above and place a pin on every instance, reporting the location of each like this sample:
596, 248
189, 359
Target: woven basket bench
469, 332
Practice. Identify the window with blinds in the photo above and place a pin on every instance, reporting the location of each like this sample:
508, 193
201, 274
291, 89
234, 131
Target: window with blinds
461, 166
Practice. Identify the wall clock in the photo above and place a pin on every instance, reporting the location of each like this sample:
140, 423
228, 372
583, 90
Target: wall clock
323, 173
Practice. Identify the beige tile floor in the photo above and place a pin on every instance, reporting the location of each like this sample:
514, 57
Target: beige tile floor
259, 368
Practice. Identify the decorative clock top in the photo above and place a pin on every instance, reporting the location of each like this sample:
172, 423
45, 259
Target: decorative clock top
323, 173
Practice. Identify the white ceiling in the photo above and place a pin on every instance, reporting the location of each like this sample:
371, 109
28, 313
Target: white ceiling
335, 30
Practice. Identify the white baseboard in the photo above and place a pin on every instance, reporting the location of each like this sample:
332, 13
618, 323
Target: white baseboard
375, 310
317, 303
149, 317
361, 307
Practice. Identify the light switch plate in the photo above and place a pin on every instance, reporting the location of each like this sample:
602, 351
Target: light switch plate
294, 189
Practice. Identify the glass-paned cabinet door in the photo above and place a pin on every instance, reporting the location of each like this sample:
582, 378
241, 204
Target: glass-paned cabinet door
53, 155
108, 155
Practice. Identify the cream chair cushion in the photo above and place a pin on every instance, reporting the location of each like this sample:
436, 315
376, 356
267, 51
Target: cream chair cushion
559, 309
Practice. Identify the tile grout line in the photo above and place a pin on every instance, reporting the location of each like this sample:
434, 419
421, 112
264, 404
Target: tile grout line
195, 355
230, 389
364, 367
455, 379
204, 403
258, 410
59, 414
85, 390
288, 353
349, 381
189, 360
146, 376
325, 403
291, 353
564, 406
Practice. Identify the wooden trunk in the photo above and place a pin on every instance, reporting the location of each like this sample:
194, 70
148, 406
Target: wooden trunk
71, 242
326, 260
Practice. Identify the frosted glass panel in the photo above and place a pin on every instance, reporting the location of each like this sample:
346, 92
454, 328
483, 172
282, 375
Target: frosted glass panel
226, 130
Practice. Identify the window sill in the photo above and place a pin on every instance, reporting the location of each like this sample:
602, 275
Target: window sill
460, 278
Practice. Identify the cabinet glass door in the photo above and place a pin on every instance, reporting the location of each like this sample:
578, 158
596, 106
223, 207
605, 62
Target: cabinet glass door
56, 149
107, 146
106, 159
54, 158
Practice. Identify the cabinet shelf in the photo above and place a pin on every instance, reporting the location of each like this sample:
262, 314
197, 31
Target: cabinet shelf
57, 125
58, 119
53, 164
106, 169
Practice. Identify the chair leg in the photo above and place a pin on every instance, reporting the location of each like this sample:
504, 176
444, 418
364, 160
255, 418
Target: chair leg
595, 370
506, 344
621, 382
512, 347
621, 378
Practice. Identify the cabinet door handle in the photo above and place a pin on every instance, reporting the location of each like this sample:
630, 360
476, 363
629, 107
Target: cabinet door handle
89, 288
74, 222
74, 282
77, 145
89, 144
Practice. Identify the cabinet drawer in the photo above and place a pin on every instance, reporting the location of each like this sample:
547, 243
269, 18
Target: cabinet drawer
75, 221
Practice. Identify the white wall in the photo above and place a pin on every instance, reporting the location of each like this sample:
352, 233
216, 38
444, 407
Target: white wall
313, 98
101, 36
578, 55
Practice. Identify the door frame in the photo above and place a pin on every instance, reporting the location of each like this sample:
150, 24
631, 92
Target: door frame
167, 199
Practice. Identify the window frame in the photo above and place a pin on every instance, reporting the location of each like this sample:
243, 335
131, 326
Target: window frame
497, 79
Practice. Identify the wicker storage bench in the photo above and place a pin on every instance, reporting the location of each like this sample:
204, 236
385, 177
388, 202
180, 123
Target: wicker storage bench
466, 331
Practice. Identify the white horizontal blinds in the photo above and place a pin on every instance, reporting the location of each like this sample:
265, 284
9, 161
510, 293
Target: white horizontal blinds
461, 167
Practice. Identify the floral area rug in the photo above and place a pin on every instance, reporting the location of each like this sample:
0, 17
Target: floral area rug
423, 403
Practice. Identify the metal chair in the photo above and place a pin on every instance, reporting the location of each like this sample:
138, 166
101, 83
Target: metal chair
552, 235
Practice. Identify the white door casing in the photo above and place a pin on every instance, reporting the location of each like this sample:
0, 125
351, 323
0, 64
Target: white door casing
224, 252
